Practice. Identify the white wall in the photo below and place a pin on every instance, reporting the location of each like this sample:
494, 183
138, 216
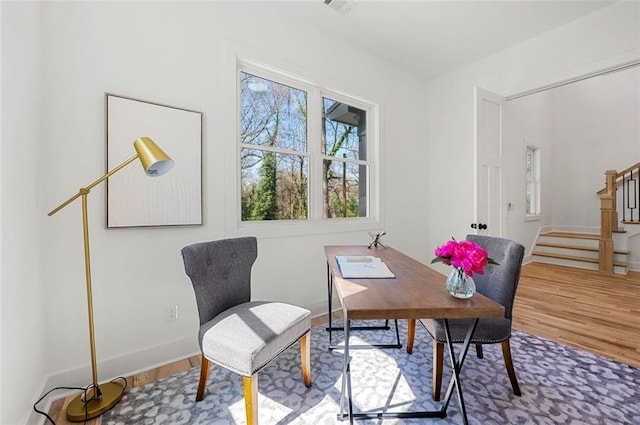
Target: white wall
595, 128
604, 38
23, 322
183, 54
528, 121
582, 129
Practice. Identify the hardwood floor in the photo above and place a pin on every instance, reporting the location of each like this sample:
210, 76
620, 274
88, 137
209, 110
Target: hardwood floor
584, 309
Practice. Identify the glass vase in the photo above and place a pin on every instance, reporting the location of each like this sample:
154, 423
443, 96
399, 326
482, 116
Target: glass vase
460, 285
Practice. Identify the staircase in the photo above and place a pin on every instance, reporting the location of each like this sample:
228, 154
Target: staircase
605, 251
575, 249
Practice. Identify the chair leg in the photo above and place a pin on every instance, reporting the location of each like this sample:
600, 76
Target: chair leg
251, 398
411, 334
506, 354
438, 363
479, 352
204, 375
305, 358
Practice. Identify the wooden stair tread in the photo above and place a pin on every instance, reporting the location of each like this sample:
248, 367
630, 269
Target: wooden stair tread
577, 247
576, 235
575, 258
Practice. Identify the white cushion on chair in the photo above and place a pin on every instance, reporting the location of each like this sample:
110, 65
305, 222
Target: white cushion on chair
245, 338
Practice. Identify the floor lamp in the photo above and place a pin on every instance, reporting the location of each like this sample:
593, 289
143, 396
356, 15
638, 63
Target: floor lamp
97, 399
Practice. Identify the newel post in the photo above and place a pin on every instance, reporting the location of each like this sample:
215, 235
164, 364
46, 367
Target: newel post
608, 222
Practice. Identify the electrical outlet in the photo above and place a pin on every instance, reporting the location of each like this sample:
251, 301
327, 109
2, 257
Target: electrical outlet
170, 313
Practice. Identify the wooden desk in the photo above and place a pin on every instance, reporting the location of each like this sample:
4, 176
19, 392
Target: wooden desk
416, 292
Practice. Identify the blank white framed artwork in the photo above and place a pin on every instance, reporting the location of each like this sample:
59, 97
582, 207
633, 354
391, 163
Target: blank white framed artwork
133, 198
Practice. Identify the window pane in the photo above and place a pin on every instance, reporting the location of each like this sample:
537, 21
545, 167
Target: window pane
529, 164
344, 130
531, 175
274, 186
345, 193
272, 114
531, 198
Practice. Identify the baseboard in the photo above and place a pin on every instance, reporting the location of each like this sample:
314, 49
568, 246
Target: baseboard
319, 308
130, 364
633, 266
125, 365
544, 229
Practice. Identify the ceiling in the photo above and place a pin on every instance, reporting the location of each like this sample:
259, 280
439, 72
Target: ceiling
432, 37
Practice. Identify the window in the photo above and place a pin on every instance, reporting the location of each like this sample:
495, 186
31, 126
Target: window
274, 160
344, 170
532, 170
303, 151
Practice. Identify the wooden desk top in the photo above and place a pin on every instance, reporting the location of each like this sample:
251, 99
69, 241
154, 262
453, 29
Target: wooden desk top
417, 291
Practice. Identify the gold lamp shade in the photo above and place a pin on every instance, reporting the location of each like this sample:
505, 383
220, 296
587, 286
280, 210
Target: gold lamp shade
154, 160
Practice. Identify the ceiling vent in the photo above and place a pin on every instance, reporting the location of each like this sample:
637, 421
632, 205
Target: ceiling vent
342, 6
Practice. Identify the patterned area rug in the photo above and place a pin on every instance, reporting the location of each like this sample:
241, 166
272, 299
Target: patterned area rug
560, 385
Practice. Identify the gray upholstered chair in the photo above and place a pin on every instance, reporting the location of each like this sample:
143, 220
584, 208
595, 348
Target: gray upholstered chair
236, 333
499, 282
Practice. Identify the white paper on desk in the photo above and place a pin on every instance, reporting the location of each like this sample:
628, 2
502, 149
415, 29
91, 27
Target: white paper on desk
363, 266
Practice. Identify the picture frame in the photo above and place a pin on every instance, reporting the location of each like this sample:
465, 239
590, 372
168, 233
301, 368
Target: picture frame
136, 200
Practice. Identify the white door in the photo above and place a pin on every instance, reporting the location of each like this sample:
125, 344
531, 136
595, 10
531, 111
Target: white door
490, 194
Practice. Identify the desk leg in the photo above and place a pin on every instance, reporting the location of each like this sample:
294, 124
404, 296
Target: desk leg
330, 303
456, 366
411, 334
346, 394
346, 377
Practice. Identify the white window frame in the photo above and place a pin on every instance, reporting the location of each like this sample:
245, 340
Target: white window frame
315, 223
535, 150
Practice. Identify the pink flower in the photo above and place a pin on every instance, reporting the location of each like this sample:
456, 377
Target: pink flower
465, 255
446, 251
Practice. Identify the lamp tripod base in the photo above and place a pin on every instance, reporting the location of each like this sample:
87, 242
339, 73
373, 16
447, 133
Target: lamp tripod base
78, 410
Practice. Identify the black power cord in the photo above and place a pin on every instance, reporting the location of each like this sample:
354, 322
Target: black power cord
86, 398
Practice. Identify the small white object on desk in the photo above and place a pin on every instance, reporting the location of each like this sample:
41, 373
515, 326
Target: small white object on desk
363, 267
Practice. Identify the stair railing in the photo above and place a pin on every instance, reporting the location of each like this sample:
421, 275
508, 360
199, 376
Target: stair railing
628, 178
630, 194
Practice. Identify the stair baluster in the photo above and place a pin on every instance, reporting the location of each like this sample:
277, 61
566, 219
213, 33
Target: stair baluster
630, 192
